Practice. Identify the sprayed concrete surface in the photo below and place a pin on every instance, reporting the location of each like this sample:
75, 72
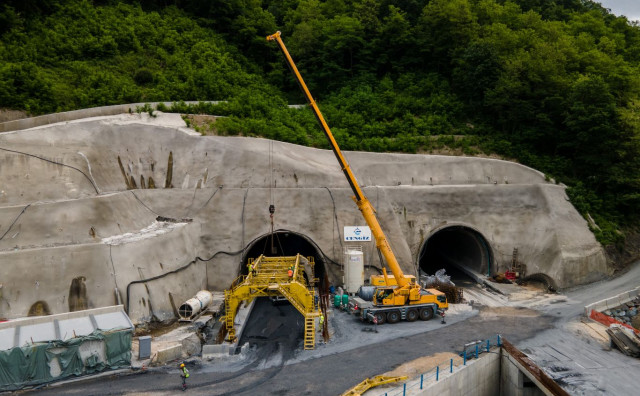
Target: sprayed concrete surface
80, 227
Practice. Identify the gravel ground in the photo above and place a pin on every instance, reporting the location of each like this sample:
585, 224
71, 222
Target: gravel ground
276, 365
552, 333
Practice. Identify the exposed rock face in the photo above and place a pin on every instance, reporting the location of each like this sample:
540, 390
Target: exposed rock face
120, 199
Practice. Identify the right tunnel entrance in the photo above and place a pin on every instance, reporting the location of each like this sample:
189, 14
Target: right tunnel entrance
460, 250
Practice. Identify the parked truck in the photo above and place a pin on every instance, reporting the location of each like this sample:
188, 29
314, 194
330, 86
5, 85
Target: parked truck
393, 301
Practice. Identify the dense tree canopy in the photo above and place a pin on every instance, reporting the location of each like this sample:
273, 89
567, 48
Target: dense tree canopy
554, 84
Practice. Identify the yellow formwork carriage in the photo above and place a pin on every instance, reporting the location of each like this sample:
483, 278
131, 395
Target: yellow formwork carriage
269, 277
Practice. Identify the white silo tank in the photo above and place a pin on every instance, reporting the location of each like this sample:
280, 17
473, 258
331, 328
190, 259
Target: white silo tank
353, 269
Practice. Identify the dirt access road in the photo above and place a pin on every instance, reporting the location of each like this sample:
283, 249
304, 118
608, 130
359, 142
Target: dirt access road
273, 369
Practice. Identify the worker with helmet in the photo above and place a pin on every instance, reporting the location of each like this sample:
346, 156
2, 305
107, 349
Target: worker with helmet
184, 374
321, 321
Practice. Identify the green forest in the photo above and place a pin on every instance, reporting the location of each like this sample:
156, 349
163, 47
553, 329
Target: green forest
552, 84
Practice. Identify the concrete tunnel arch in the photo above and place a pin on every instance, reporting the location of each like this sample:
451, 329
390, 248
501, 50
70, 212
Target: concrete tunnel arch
286, 243
457, 248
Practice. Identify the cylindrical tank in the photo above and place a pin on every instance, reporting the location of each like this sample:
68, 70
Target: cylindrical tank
336, 300
345, 299
195, 305
366, 292
353, 269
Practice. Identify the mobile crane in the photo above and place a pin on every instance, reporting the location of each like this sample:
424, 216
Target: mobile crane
391, 302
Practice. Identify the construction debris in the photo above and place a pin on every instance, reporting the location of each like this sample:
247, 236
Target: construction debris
442, 282
625, 340
627, 313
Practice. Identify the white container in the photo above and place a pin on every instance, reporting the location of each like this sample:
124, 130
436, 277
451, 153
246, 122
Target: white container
353, 269
195, 305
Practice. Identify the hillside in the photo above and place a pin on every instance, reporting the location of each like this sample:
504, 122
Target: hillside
553, 84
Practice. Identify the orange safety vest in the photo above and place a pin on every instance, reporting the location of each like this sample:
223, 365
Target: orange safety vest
290, 272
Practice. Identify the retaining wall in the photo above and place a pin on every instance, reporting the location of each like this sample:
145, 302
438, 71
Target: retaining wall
479, 377
31, 122
59, 222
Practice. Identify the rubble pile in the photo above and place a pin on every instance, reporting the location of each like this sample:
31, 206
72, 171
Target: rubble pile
627, 313
442, 282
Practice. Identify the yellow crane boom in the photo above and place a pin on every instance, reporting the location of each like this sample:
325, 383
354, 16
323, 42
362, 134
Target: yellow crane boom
368, 212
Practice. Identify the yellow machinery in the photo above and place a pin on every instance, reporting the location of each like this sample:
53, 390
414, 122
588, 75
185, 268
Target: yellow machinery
405, 293
270, 278
384, 280
371, 383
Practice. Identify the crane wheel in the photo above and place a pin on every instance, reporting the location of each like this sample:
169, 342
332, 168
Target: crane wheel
393, 317
381, 317
412, 315
426, 313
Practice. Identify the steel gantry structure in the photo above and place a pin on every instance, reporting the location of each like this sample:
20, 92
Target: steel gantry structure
291, 277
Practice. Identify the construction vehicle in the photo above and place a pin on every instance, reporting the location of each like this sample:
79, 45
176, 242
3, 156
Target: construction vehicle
405, 299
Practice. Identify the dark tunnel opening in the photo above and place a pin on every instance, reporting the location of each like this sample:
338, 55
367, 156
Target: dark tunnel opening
286, 243
460, 250
278, 328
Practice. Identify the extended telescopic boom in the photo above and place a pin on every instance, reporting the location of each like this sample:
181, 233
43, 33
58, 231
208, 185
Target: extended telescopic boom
361, 200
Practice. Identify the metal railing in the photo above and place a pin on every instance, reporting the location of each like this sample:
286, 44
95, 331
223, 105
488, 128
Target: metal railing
470, 351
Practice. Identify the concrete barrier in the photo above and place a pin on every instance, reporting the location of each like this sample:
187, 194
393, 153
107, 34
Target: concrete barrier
612, 302
479, 377
217, 350
168, 354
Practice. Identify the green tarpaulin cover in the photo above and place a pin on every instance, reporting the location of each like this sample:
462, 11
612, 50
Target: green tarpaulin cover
30, 365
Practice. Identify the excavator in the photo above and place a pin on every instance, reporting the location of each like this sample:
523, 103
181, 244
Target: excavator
393, 300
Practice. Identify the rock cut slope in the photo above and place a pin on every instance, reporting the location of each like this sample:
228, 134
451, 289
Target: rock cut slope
90, 209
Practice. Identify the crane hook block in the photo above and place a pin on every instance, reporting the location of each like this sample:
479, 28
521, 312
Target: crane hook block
272, 209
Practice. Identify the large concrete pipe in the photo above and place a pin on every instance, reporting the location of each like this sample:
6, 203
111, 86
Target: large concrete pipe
195, 305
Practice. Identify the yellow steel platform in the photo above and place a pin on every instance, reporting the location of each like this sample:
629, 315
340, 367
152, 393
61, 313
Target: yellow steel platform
269, 278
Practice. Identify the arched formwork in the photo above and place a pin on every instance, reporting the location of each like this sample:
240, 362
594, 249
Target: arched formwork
457, 246
286, 243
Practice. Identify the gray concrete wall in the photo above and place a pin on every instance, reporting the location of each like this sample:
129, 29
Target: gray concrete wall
512, 380
478, 378
46, 119
222, 183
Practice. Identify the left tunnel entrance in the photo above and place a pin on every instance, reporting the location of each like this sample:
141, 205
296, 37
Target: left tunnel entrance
286, 243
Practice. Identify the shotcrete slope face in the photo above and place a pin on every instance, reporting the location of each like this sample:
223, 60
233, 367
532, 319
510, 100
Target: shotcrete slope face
81, 227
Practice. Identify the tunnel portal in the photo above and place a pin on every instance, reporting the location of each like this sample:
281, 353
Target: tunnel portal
286, 243
457, 249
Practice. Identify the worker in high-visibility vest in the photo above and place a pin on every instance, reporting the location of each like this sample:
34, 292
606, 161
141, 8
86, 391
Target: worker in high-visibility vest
251, 268
290, 273
184, 374
321, 322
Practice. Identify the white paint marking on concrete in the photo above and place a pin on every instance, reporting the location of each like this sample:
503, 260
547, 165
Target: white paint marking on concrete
157, 228
90, 174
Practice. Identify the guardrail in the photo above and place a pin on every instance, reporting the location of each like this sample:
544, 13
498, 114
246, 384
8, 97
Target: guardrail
612, 302
470, 351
